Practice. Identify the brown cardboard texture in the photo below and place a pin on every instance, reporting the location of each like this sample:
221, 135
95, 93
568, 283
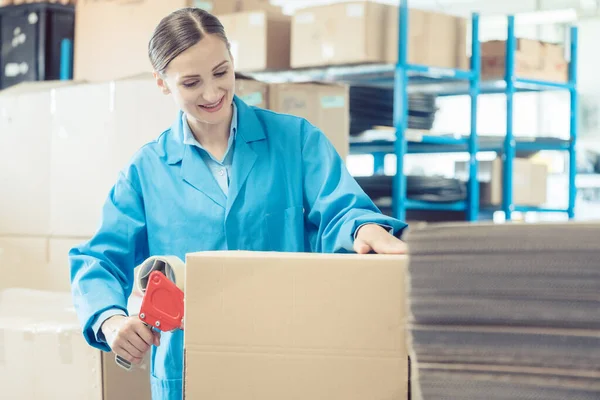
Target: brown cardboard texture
259, 40
274, 326
39, 263
252, 92
324, 105
435, 39
44, 356
344, 33
533, 60
530, 180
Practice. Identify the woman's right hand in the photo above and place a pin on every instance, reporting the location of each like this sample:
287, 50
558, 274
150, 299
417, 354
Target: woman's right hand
129, 337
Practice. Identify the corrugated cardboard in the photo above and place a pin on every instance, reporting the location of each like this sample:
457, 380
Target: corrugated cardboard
39, 263
435, 39
25, 121
259, 40
112, 36
252, 92
324, 105
44, 356
23, 261
275, 326
70, 154
344, 33
87, 157
533, 60
530, 181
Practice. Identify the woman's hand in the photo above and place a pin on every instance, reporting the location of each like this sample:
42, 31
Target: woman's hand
129, 337
373, 237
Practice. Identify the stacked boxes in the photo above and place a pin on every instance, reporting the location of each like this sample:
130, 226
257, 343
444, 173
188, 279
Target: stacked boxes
533, 60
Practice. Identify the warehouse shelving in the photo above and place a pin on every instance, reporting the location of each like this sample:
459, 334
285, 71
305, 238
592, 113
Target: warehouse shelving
407, 78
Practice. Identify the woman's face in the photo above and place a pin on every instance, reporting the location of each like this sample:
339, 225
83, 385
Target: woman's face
202, 81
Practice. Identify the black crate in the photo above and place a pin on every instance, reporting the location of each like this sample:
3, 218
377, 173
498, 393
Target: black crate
30, 38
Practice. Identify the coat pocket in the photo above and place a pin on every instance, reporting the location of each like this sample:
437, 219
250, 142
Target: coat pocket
285, 230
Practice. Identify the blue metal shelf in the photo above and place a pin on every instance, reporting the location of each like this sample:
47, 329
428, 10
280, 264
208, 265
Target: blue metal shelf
450, 144
422, 205
407, 78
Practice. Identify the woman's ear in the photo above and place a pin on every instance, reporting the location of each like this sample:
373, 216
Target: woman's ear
162, 84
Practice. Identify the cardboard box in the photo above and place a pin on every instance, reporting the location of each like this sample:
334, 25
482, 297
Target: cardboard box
44, 355
533, 60
112, 36
274, 326
343, 33
530, 181
39, 263
259, 40
59, 188
435, 39
252, 92
25, 159
324, 105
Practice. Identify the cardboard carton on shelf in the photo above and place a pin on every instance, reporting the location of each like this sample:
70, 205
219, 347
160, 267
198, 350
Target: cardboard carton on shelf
260, 40
534, 59
434, 39
321, 36
336, 34
318, 326
252, 92
112, 36
324, 105
530, 180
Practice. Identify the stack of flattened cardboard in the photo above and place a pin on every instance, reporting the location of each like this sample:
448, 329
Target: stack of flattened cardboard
505, 311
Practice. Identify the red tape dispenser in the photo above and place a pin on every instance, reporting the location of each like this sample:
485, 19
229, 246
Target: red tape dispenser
162, 308
163, 304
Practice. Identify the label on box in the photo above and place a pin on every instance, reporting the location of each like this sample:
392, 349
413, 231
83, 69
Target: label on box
305, 18
327, 51
234, 46
332, 101
253, 99
355, 10
205, 5
257, 19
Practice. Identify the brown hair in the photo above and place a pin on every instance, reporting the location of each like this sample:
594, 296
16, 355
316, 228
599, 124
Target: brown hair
179, 31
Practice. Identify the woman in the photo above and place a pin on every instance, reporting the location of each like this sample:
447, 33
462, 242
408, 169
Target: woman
224, 176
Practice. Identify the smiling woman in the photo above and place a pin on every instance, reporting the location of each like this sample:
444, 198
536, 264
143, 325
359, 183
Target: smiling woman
225, 176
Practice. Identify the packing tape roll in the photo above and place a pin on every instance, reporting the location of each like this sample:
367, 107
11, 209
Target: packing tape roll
171, 266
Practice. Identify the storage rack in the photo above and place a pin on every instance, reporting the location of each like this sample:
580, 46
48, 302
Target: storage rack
451, 82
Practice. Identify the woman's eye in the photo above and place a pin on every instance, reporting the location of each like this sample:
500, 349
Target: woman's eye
190, 84
220, 74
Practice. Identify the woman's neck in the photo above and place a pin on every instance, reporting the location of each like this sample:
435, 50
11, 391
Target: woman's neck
213, 137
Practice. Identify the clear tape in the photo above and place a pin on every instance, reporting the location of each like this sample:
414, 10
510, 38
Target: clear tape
171, 266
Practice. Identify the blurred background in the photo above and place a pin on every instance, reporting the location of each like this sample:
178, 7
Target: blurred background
490, 109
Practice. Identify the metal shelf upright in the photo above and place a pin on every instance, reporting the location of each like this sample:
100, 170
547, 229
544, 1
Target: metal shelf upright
511, 145
400, 202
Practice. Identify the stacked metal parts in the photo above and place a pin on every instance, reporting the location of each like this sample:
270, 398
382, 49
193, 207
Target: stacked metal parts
420, 188
505, 311
374, 106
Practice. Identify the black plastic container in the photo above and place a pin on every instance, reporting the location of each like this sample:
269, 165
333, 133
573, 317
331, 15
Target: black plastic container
31, 38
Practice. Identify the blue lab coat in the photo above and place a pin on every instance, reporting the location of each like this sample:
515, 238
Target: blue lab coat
289, 191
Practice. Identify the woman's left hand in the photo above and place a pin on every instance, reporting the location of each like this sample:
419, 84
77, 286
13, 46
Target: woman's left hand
373, 237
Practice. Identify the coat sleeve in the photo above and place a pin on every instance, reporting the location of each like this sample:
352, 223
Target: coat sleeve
102, 268
335, 205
